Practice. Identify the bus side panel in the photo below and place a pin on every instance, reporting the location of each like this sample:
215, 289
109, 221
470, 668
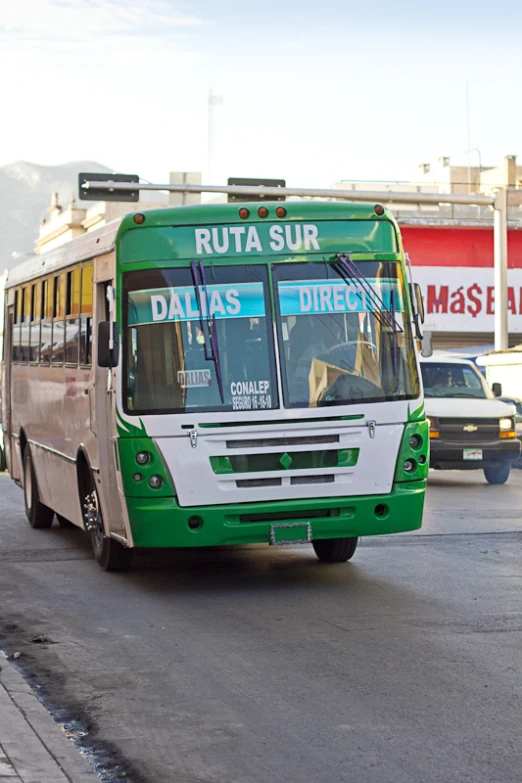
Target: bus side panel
18, 396
51, 408
57, 484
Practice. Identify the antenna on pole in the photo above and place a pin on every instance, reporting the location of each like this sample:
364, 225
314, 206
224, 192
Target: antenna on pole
213, 101
468, 134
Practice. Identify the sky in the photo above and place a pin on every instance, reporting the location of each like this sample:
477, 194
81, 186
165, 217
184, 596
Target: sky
311, 92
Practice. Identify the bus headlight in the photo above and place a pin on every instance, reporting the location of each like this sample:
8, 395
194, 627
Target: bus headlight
155, 482
143, 457
506, 424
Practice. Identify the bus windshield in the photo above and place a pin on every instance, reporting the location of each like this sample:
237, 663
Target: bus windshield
344, 334
168, 353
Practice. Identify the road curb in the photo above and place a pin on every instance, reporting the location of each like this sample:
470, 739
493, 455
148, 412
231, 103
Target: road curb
34, 745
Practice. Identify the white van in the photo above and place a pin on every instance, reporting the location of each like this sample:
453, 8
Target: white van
469, 428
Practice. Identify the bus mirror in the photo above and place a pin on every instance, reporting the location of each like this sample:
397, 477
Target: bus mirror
426, 345
106, 357
419, 302
496, 388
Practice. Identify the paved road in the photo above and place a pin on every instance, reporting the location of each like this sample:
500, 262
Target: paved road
264, 666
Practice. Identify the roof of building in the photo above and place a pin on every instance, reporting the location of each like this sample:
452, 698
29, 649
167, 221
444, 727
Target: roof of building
87, 246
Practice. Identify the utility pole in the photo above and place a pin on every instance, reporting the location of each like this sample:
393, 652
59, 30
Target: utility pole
501, 267
468, 134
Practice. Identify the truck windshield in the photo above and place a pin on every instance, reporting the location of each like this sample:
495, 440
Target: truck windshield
344, 337
448, 379
170, 366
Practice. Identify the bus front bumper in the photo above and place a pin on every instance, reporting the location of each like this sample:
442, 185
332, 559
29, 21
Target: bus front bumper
161, 522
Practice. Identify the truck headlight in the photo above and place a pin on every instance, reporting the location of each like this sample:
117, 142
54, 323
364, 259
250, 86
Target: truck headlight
506, 424
434, 427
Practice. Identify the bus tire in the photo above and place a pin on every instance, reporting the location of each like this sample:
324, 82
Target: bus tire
499, 474
63, 522
3, 461
39, 516
335, 550
108, 553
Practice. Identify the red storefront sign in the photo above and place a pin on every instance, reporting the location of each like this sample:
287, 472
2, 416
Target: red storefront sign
454, 267
468, 247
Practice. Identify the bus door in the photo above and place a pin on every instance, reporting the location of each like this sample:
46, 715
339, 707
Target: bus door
6, 390
103, 422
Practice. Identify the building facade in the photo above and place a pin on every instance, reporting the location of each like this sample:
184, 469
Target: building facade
450, 246
451, 249
65, 223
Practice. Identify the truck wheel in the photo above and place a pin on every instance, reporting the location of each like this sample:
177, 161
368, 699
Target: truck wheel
498, 475
335, 550
39, 516
108, 553
3, 461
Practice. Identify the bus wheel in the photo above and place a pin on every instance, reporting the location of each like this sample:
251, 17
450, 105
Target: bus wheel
498, 475
3, 461
335, 550
63, 522
39, 516
108, 553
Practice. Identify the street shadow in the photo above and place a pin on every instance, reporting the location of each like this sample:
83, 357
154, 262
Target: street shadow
240, 566
243, 571
230, 571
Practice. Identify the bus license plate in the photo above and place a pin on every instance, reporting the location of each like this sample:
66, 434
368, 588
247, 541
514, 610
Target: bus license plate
291, 533
472, 453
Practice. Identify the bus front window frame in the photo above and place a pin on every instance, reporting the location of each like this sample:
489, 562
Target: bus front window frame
262, 395
362, 387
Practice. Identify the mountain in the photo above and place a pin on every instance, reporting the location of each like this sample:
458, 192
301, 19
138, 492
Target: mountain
25, 194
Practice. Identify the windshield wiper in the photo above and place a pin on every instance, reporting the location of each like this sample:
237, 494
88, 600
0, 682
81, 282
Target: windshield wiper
349, 269
394, 354
211, 345
386, 316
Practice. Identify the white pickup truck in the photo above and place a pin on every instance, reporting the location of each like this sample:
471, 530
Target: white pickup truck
469, 428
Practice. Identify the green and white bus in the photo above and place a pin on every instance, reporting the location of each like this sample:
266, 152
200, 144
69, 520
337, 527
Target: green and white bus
219, 374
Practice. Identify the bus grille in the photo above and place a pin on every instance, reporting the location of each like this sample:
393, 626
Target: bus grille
309, 440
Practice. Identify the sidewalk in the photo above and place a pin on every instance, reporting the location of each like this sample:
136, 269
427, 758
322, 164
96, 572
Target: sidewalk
33, 748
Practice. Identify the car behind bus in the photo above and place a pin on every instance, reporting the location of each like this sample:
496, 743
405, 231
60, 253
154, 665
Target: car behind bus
469, 428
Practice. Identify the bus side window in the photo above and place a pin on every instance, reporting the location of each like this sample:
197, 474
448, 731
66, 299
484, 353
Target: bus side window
24, 329
86, 315
58, 319
16, 329
72, 322
46, 333
36, 314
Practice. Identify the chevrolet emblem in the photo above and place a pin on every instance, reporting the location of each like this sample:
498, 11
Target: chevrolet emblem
470, 428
